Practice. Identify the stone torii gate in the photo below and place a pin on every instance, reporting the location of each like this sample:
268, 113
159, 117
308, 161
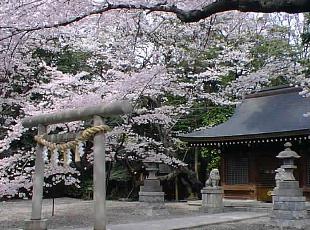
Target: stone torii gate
42, 121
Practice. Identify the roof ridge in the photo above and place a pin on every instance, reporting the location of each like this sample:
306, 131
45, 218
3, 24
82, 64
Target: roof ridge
274, 91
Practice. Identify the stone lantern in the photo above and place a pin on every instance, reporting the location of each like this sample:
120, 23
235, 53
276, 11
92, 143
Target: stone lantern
289, 204
288, 156
152, 168
151, 196
151, 191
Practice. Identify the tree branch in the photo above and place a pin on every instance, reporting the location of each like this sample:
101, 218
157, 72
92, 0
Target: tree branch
262, 6
187, 16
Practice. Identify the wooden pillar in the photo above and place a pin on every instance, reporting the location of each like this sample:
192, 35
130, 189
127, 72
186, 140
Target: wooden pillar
196, 163
222, 167
99, 178
176, 188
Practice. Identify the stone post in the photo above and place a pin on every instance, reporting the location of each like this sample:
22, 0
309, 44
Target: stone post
289, 206
99, 178
36, 223
212, 194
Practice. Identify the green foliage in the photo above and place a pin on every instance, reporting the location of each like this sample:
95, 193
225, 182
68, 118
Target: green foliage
195, 61
306, 34
192, 120
46, 55
8, 110
73, 62
85, 191
118, 173
267, 48
306, 64
213, 158
282, 80
181, 145
226, 79
305, 37
36, 96
213, 117
211, 52
205, 58
217, 115
171, 99
67, 61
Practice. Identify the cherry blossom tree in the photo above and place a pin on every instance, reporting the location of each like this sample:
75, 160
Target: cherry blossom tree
97, 51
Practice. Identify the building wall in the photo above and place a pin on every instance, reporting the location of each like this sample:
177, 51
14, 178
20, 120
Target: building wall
248, 171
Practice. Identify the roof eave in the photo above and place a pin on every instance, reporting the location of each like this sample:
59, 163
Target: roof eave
246, 137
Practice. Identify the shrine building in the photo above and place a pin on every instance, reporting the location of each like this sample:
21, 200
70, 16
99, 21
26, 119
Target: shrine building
250, 140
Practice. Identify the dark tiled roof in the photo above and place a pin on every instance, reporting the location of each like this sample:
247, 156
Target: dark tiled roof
265, 114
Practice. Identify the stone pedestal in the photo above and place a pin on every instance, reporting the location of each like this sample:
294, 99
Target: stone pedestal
35, 224
151, 199
151, 191
212, 199
289, 205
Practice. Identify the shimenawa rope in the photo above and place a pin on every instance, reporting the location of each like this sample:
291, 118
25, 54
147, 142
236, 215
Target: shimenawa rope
84, 136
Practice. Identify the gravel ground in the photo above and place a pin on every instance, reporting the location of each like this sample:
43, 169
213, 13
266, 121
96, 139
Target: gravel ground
79, 213
75, 213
